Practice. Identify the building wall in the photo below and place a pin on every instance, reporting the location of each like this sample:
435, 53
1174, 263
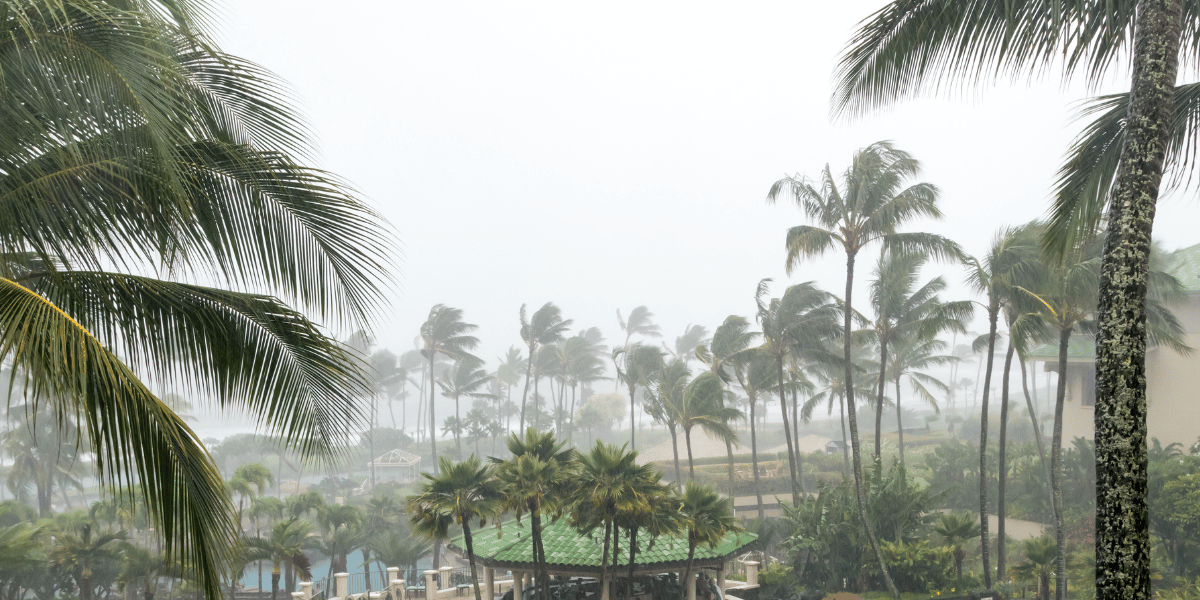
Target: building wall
1172, 388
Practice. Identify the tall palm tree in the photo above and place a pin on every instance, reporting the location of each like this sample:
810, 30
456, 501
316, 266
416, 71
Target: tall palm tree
135, 145
534, 482
640, 322
508, 373
465, 492
869, 207
609, 482
664, 404
792, 325
545, 326
703, 404
900, 306
708, 519
397, 549
465, 378
755, 373
693, 337
1012, 259
637, 365
582, 363
908, 44
911, 355
444, 332
730, 340
249, 481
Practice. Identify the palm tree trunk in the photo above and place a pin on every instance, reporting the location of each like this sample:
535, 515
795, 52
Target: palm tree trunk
853, 420
754, 458
432, 422
457, 431
525, 392
899, 421
1064, 340
787, 432
1002, 467
687, 437
845, 437
993, 317
729, 454
1122, 518
604, 591
883, 340
1037, 431
632, 421
367, 568
675, 450
466, 528
687, 571
274, 582
796, 434
632, 555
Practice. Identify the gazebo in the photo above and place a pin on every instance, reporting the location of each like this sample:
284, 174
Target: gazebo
507, 547
397, 465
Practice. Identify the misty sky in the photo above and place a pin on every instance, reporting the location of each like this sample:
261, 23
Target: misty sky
605, 155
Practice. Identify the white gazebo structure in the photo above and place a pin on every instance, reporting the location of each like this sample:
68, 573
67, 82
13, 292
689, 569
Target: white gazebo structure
396, 465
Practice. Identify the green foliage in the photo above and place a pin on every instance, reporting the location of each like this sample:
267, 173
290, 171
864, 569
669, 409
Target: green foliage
915, 566
776, 581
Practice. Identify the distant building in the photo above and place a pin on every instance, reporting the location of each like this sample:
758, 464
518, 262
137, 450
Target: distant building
835, 447
1172, 379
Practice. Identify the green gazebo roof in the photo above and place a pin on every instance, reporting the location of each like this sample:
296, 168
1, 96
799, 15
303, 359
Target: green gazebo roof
569, 550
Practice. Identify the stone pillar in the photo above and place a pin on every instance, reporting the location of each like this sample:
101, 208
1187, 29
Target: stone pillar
306, 587
489, 582
752, 573
691, 586
393, 573
604, 588
721, 579
341, 586
444, 579
395, 584
430, 585
298, 596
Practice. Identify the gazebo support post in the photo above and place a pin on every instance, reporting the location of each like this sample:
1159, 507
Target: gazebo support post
691, 587
721, 578
489, 580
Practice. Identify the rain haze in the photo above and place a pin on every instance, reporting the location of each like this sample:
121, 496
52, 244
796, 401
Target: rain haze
610, 155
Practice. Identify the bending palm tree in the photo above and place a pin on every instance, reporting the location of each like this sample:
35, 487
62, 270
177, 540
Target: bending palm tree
464, 378
133, 143
708, 519
907, 44
637, 365
869, 208
463, 492
546, 326
444, 332
703, 404
730, 340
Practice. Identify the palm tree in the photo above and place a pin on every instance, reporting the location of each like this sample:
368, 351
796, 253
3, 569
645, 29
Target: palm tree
730, 340
755, 373
444, 332
957, 529
664, 404
464, 378
464, 492
906, 44
869, 208
533, 481
640, 322
545, 326
581, 363
1041, 559
693, 337
140, 566
609, 482
911, 354
708, 519
508, 373
249, 480
1012, 259
703, 404
134, 143
284, 547
900, 306
77, 550
397, 549
792, 325
637, 365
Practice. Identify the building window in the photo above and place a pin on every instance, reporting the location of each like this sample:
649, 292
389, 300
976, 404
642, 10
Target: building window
1088, 397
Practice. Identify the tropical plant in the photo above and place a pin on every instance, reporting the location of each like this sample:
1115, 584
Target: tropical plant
694, 336
284, 547
755, 373
533, 482
637, 365
702, 405
869, 208
399, 550
466, 377
956, 529
640, 322
708, 519
134, 143
81, 550
545, 326
664, 404
1041, 559
464, 492
444, 332
730, 340
907, 45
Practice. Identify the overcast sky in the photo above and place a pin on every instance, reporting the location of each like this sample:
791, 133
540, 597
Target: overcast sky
612, 154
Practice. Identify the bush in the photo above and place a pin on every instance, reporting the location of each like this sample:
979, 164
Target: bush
914, 566
776, 582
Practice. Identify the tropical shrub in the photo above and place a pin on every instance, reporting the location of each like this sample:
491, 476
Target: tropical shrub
915, 566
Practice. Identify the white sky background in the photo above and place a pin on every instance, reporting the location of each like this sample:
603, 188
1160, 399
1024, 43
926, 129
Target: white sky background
607, 155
